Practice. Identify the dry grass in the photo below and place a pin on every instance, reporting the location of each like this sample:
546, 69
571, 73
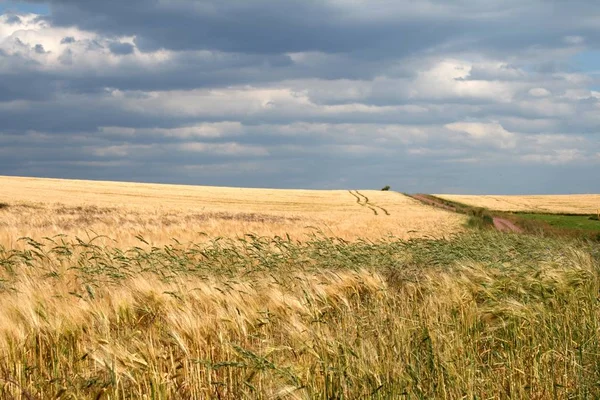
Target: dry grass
558, 204
122, 211
484, 316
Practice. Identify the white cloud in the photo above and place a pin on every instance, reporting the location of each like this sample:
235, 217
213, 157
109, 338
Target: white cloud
446, 80
488, 133
450, 79
204, 130
554, 141
229, 149
574, 39
547, 107
71, 49
539, 92
123, 150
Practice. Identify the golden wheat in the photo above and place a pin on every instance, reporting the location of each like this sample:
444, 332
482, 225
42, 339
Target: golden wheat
557, 204
483, 315
302, 327
159, 213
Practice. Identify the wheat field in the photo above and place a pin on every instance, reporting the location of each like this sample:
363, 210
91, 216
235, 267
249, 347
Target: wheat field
484, 315
39, 208
555, 204
267, 294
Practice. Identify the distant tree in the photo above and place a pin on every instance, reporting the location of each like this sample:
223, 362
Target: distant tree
385, 188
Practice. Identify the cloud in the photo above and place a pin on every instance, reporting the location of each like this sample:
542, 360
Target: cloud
376, 28
120, 48
256, 26
489, 133
13, 20
539, 92
424, 96
557, 157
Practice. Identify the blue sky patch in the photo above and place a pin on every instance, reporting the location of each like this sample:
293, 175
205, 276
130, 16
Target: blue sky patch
17, 6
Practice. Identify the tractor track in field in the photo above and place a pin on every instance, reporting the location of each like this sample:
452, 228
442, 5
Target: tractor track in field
356, 197
364, 201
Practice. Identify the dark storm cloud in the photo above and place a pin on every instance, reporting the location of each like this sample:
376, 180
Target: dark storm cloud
25, 85
186, 70
67, 40
71, 117
433, 96
249, 26
121, 49
396, 28
240, 29
91, 112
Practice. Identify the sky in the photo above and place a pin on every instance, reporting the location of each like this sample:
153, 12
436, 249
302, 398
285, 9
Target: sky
434, 96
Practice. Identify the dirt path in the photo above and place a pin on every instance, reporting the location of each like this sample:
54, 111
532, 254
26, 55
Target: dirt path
500, 224
504, 225
433, 202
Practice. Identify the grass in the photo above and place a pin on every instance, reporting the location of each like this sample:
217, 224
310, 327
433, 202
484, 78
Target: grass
585, 222
484, 315
480, 222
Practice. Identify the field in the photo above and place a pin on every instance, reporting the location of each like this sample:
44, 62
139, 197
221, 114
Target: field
584, 222
547, 204
462, 313
39, 208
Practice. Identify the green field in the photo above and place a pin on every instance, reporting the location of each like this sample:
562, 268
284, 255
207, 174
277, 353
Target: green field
585, 222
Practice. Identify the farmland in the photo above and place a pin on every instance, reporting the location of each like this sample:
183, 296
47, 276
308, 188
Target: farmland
581, 222
546, 204
339, 310
575, 215
123, 211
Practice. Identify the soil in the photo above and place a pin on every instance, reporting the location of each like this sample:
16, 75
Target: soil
504, 225
433, 202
